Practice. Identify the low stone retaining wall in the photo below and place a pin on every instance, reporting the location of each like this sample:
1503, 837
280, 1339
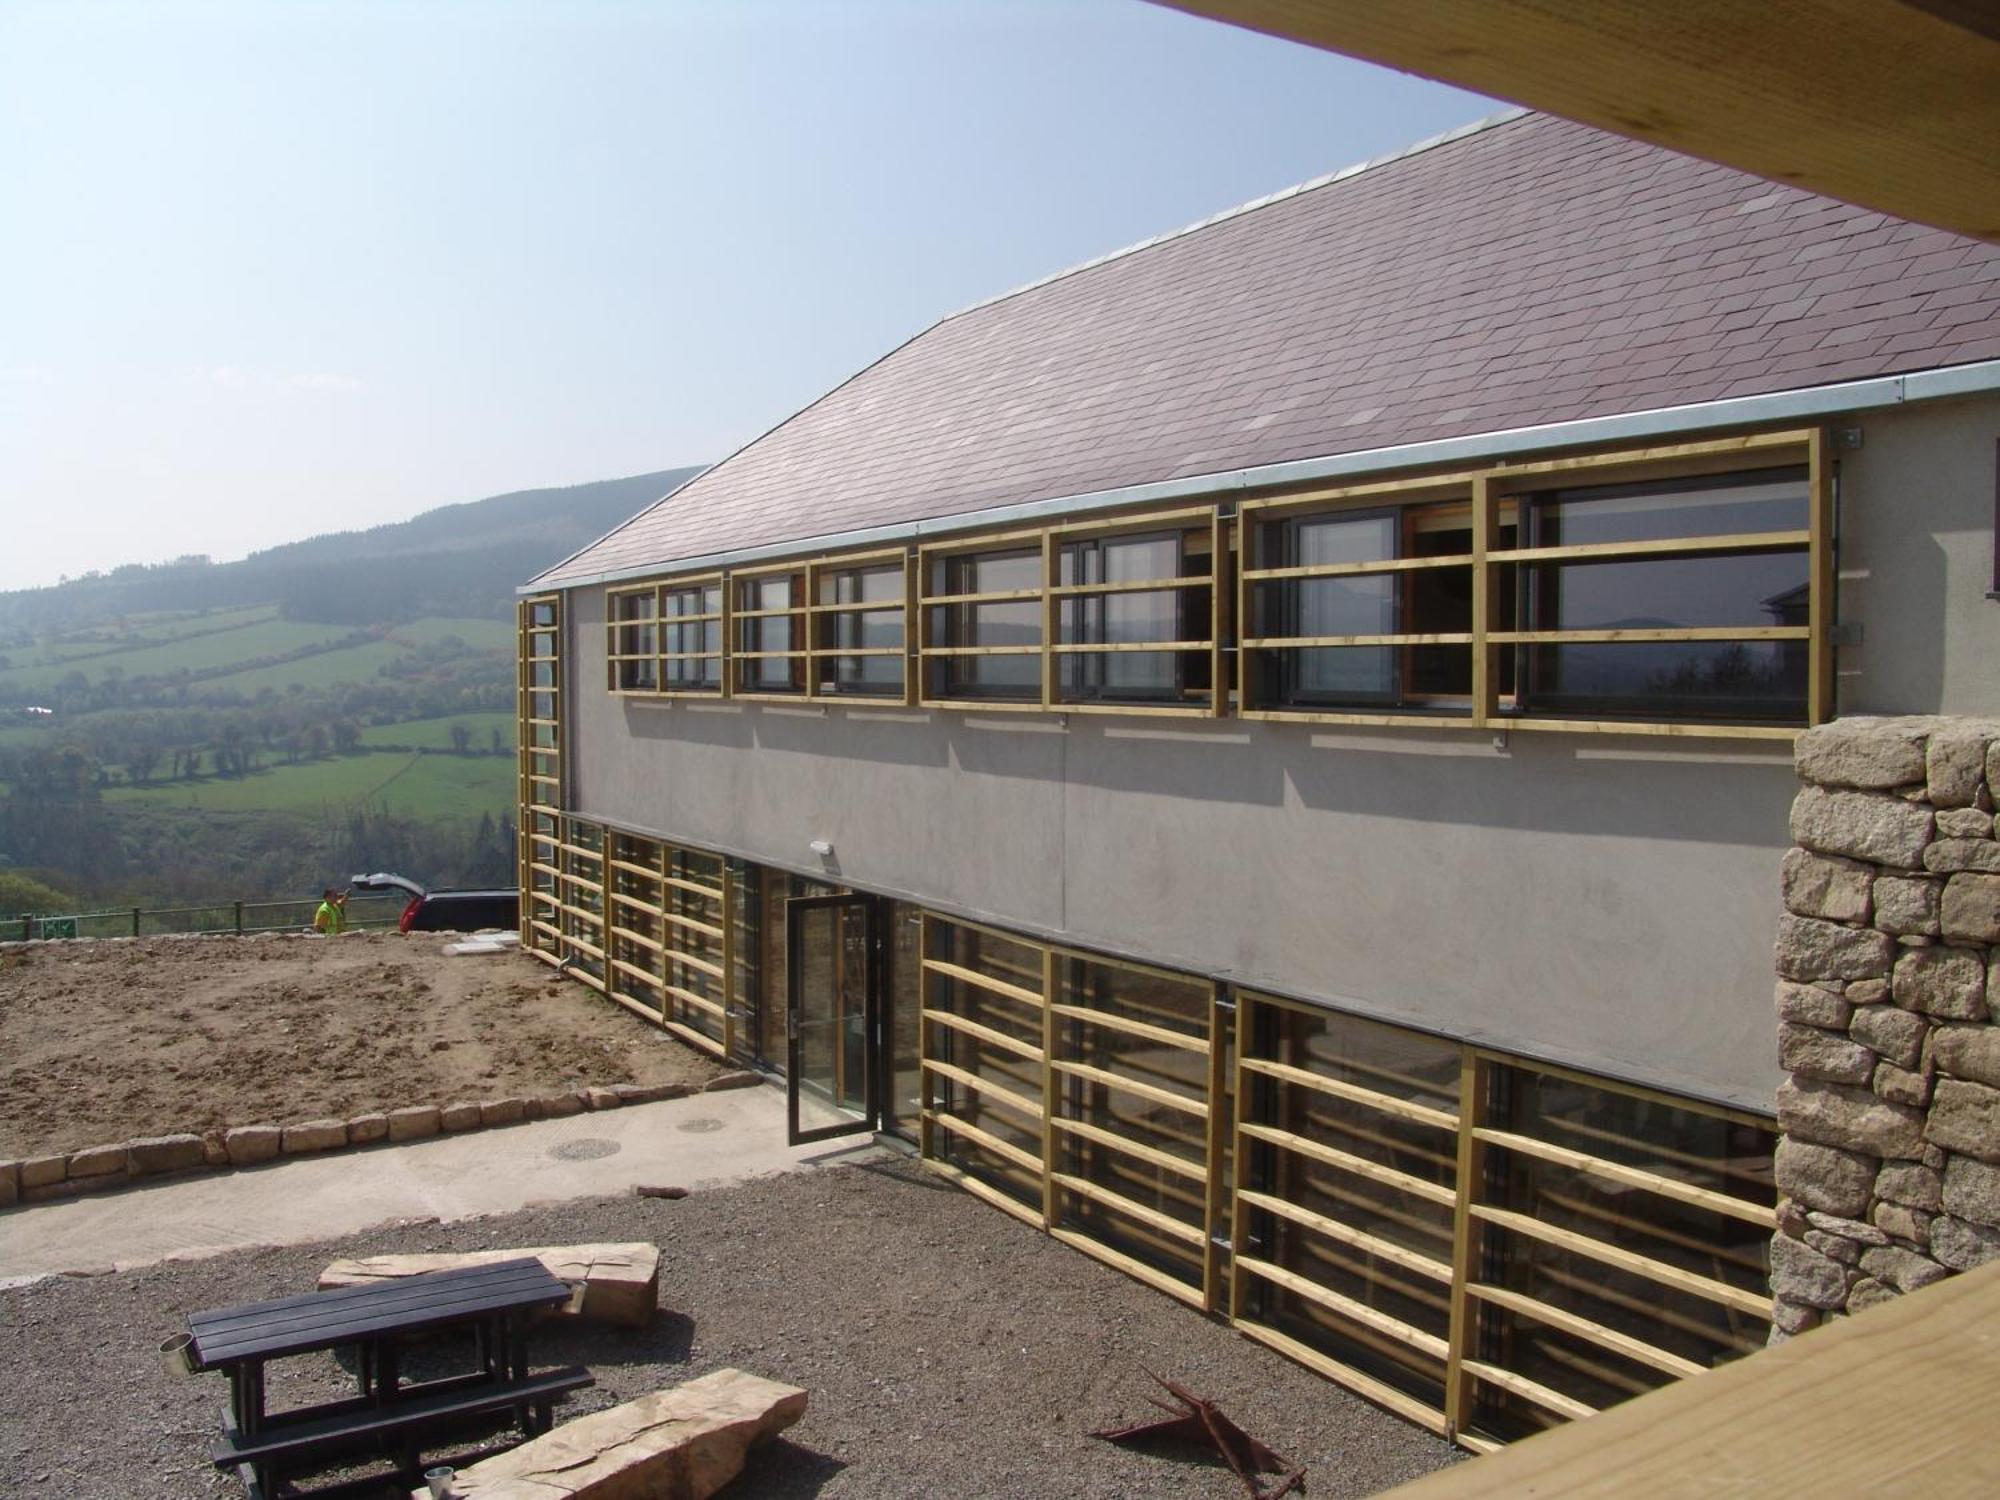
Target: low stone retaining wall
98, 1168
1888, 982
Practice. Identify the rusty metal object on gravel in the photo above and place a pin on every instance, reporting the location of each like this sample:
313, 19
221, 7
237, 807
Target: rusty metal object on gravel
1199, 1421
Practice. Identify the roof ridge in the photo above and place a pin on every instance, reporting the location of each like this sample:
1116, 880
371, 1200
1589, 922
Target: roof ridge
1443, 138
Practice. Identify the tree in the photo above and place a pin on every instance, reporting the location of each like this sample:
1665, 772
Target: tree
21, 893
346, 736
461, 739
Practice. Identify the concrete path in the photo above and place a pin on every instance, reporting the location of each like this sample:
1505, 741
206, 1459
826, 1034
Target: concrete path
700, 1141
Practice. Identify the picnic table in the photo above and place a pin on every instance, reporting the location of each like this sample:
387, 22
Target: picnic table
388, 1417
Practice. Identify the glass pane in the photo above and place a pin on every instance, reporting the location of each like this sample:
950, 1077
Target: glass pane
1725, 505
1016, 1070
862, 585
831, 989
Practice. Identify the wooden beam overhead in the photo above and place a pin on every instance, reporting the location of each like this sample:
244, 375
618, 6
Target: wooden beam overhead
1890, 104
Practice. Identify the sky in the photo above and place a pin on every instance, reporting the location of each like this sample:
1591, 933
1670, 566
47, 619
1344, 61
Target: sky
274, 269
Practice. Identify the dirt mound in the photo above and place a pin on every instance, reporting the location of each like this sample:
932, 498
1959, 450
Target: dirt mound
107, 1041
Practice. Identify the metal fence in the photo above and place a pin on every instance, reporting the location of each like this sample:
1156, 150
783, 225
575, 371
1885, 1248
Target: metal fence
294, 915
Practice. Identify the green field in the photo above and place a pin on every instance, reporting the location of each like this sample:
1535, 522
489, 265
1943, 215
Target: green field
480, 635
349, 664
435, 734
419, 786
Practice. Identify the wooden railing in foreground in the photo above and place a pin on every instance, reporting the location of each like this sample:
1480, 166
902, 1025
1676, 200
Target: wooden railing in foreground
1851, 1408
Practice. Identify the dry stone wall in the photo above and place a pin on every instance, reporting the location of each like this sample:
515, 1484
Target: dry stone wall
1889, 1166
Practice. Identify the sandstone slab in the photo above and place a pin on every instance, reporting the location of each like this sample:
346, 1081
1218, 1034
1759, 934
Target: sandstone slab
1965, 1117
1869, 753
502, 1111
743, 1078
1810, 1005
1823, 1177
1912, 1184
415, 1123
366, 1130
1897, 1035
1961, 1246
684, 1443
1970, 1052
1823, 1054
1905, 1270
1800, 1274
1972, 1191
314, 1135
1954, 765
97, 1161
249, 1144
1949, 983
1949, 856
163, 1153
1907, 905
459, 1117
10, 1183
621, 1281
42, 1171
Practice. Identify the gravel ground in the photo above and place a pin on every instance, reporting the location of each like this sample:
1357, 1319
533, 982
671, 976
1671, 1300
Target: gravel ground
950, 1351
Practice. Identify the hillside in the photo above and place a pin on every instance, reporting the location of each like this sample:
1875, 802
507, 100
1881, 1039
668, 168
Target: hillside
205, 731
456, 560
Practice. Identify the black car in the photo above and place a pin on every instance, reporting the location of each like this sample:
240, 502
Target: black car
447, 911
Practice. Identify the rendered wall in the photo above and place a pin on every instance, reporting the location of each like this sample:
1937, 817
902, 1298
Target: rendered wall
1597, 900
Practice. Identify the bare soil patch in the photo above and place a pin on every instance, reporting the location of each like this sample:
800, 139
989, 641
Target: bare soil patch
113, 1040
949, 1351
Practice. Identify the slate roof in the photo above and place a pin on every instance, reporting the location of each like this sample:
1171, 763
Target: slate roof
1525, 271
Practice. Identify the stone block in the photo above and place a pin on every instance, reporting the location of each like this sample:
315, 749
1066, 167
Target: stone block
163, 1153
502, 1112
459, 1117
1911, 1184
1905, 1270
1851, 1229
1970, 910
1809, 1005
1818, 885
249, 1144
314, 1135
1972, 1190
1900, 1085
41, 1171
744, 1078
1961, 1246
1903, 1223
1821, 1177
1862, 825
1834, 1247
414, 1123
67, 1188
1800, 1274
621, 1281
1867, 1293
1954, 766
214, 1149
1907, 905
10, 1183
1965, 1117
553, 1106
684, 1443
1949, 983
97, 1161
1869, 753
1949, 856
366, 1130
650, 1093
600, 1098
1964, 823
1808, 948
1823, 1054
1865, 992
1833, 1114
1788, 1318
1970, 1052
1896, 1035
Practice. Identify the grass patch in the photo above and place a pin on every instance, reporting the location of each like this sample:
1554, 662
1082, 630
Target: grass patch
435, 734
422, 786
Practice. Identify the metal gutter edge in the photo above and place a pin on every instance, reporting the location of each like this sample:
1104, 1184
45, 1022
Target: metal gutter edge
1669, 421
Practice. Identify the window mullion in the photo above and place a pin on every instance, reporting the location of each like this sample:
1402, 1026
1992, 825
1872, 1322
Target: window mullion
1485, 597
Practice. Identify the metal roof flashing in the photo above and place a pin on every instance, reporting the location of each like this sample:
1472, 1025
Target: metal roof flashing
1771, 407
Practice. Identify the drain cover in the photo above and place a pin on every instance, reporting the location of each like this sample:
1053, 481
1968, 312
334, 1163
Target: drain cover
699, 1127
589, 1148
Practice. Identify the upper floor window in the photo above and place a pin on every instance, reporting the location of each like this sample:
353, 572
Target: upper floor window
691, 637
1129, 629
770, 619
1686, 598
859, 624
985, 624
633, 641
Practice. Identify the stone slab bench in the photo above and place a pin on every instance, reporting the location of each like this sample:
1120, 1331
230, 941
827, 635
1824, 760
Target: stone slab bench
620, 1282
683, 1443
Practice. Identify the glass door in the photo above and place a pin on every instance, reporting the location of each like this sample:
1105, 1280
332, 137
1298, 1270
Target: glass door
831, 1016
